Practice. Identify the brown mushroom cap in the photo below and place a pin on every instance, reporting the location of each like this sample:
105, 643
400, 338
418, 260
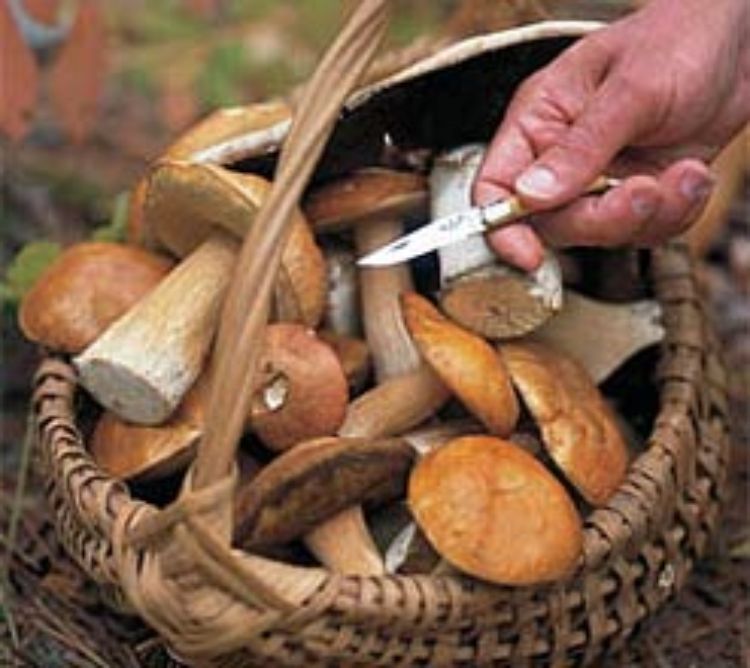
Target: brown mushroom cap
467, 364
492, 510
577, 425
301, 393
315, 480
86, 289
137, 452
368, 194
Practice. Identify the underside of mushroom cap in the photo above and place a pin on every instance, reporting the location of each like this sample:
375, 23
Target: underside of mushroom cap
577, 425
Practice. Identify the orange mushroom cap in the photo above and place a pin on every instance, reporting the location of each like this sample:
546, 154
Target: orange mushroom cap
467, 364
493, 511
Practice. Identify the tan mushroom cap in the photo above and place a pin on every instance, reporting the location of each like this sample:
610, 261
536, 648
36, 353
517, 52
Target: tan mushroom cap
228, 123
186, 203
86, 289
302, 392
365, 195
315, 480
467, 364
137, 452
578, 427
218, 127
493, 511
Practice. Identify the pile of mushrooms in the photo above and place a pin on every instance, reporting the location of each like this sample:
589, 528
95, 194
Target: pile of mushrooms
455, 417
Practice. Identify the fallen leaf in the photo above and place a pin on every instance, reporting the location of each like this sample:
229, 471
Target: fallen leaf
177, 103
78, 73
205, 9
19, 78
44, 11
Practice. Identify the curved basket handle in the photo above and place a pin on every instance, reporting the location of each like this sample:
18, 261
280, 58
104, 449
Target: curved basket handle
247, 304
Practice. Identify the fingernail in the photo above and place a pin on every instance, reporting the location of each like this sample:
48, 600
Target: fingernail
644, 203
538, 182
696, 187
487, 193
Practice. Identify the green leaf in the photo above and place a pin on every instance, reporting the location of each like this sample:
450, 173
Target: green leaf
26, 268
218, 83
116, 229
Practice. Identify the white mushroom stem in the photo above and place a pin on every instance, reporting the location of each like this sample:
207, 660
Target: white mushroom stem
494, 300
600, 335
392, 349
342, 306
145, 362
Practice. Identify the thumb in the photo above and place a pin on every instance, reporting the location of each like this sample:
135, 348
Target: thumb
581, 153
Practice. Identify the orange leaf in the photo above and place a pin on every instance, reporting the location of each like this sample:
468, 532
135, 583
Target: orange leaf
205, 9
177, 104
19, 78
77, 75
44, 11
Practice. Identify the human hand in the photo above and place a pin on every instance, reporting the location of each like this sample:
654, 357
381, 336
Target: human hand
652, 98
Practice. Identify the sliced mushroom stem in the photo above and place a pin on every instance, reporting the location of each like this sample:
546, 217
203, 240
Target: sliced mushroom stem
143, 364
599, 335
494, 300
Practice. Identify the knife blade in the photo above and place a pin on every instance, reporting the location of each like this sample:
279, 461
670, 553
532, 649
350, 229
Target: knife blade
457, 227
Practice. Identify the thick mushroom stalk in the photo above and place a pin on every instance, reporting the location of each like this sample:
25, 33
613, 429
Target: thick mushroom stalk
141, 367
601, 336
478, 292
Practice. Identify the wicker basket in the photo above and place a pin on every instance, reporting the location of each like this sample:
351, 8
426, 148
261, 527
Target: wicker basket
216, 605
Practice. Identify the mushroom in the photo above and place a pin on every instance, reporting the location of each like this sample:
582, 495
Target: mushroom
143, 364
313, 481
370, 194
84, 290
224, 136
577, 426
485, 296
467, 364
601, 336
374, 201
141, 453
493, 511
342, 304
353, 355
302, 391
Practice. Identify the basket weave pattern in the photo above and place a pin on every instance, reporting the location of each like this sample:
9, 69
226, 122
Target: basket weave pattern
215, 605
